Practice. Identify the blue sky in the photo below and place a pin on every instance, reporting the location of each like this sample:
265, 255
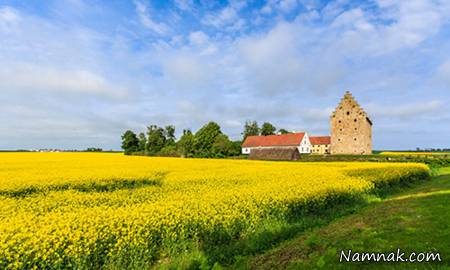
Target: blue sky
76, 73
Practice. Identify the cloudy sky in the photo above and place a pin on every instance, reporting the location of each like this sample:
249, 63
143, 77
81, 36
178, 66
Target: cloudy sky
76, 73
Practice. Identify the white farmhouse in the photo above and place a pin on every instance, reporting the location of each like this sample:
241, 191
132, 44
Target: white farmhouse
271, 143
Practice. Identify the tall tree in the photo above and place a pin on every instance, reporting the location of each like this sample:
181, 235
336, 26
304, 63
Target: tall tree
250, 129
169, 133
267, 129
142, 141
222, 146
204, 139
283, 131
155, 139
130, 142
235, 148
186, 143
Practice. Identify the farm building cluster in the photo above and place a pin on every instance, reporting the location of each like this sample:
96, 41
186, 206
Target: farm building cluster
351, 134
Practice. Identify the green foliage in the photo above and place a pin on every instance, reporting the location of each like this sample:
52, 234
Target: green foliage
169, 134
267, 129
130, 142
169, 151
235, 148
204, 139
250, 129
186, 144
232, 252
156, 139
94, 149
415, 220
431, 160
222, 146
142, 141
283, 131
159, 139
209, 141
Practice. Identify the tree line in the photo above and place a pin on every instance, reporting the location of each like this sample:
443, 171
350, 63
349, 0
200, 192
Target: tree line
208, 142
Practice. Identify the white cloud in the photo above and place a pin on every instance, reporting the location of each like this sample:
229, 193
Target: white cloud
9, 17
406, 110
227, 19
282, 61
285, 6
415, 20
233, 123
185, 5
271, 61
266, 9
185, 70
397, 25
27, 77
289, 72
198, 38
443, 73
146, 20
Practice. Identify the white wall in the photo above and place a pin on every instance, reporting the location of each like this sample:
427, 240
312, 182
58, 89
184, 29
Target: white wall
305, 145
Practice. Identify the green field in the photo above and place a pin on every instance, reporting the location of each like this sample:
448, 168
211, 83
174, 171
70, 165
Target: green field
415, 220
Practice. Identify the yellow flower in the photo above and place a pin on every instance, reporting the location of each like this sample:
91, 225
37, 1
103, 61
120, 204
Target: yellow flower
58, 208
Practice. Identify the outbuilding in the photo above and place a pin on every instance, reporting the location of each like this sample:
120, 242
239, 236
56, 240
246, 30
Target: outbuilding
273, 143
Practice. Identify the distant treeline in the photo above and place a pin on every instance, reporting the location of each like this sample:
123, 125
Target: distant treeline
209, 141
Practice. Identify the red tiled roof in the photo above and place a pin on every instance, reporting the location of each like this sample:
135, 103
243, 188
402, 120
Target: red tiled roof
290, 139
316, 140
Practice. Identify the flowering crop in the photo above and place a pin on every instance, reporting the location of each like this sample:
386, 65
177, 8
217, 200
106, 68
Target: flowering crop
414, 153
70, 210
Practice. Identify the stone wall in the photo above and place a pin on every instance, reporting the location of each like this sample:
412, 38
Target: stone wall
351, 129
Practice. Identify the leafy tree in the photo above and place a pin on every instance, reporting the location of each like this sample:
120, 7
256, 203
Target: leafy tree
235, 148
169, 151
169, 133
283, 131
142, 141
222, 146
250, 129
267, 129
156, 139
204, 139
94, 149
130, 142
186, 143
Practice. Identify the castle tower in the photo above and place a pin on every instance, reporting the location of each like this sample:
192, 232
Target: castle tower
351, 129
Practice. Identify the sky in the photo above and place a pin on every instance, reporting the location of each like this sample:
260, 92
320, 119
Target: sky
77, 74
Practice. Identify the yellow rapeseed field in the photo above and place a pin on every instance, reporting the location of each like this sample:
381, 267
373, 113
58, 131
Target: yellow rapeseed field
413, 153
87, 210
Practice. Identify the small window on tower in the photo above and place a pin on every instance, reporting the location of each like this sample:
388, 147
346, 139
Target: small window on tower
340, 121
354, 139
355, 120
348, 113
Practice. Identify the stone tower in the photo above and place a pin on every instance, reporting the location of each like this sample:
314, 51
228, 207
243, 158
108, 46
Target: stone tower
351, 129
